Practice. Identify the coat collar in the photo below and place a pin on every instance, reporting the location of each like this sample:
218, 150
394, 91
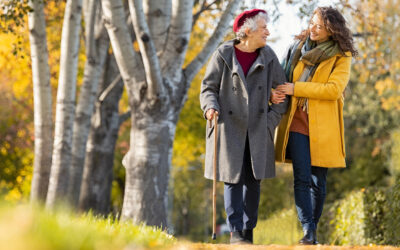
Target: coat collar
331, 60
227, 52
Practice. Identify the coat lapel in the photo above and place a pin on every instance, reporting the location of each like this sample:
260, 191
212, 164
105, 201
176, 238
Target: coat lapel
262, 61
237, 69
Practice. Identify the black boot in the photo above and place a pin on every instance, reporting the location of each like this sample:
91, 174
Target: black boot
237, 238
310, 238
248, 235
315, 238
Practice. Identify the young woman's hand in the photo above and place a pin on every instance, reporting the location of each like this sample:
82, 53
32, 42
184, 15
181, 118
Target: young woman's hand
277, 97
287, 88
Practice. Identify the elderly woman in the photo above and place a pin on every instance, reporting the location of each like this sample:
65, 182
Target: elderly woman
237, 87
311, 134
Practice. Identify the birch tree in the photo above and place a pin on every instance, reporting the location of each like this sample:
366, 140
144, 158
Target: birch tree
65, 108
157, 85
97, 44
43, 118
99, 160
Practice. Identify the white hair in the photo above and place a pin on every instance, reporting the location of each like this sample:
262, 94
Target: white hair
250, 23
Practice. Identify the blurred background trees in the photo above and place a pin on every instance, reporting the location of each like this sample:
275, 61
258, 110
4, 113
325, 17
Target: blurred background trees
369, 186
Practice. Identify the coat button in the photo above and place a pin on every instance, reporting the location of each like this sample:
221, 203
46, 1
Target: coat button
230, 112
233, 88
261, 110
259, 87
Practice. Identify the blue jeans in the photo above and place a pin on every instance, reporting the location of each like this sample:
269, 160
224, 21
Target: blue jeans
309, 181
241, 199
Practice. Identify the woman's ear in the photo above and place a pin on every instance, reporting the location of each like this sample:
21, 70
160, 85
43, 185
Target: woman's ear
247, 32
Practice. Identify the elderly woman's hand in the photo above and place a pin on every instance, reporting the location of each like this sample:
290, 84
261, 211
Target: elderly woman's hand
277, 97
287, 88
210, 114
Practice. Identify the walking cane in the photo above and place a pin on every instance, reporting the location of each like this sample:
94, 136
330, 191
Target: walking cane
214, 235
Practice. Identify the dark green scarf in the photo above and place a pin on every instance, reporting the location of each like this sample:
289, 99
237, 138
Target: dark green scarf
311, 54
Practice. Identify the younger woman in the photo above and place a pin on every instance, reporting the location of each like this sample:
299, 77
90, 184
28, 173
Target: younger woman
311, 134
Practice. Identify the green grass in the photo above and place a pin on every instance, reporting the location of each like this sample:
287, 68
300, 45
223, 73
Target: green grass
31, 227
281, 228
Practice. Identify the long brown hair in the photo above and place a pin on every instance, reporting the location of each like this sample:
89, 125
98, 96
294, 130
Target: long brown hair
336, 25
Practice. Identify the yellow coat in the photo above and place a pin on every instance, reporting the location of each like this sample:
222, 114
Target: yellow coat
325, 116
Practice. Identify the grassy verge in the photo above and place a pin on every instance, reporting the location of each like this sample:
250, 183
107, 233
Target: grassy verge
30, 227
281, 228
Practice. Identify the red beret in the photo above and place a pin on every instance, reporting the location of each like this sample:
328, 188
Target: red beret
241, 18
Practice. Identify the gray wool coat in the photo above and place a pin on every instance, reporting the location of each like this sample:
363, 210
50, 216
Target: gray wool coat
243, 106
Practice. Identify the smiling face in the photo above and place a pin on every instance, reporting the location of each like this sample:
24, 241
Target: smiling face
259, 36
318, 32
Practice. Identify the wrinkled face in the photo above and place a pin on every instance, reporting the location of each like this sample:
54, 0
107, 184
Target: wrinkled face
259, 36
318, 32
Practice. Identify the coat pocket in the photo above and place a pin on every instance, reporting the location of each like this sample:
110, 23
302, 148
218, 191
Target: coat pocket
209, 130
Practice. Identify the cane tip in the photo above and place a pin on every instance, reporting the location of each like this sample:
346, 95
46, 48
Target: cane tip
214, 236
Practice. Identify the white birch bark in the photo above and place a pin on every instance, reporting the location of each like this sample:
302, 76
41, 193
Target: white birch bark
158, 17
178, 38
149, 57
65, 109
43, 115
97, 44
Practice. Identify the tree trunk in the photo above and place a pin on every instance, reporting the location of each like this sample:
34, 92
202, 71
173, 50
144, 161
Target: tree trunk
155, 98
147, 168
42, 102
97, 44
65, 109
98, 171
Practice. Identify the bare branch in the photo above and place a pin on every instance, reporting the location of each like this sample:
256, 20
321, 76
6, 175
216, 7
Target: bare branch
129, 63
204, 7
212, 43
110, 87
123, 117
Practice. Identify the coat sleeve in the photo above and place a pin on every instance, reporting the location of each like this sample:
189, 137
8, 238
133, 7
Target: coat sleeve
276, 111
211, 84
333, 88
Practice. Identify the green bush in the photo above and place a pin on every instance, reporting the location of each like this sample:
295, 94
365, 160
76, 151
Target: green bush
375, 200
368, 216
348, 227
392, 218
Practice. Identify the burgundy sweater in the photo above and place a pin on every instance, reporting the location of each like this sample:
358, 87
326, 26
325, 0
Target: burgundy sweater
246, 59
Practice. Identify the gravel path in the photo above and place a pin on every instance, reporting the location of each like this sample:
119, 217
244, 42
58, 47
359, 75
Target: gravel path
199, 246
